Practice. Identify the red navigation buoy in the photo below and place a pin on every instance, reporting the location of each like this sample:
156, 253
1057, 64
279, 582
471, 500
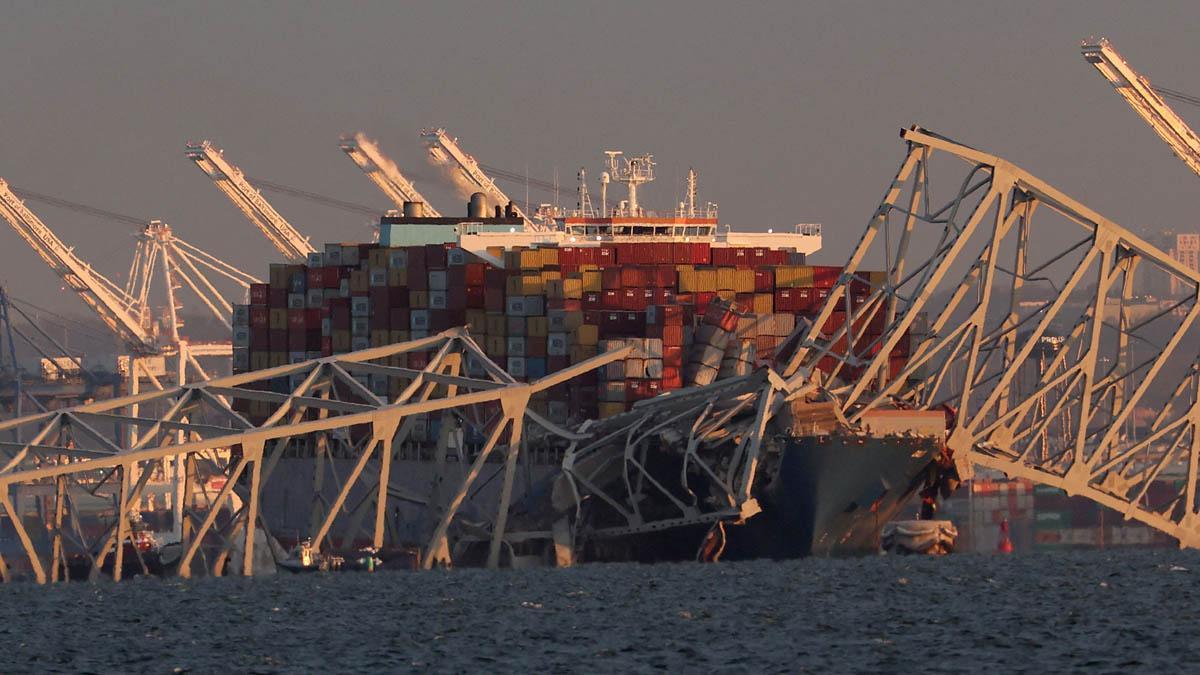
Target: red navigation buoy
1005, 545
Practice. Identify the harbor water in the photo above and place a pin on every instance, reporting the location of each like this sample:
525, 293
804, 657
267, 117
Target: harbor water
1099, 611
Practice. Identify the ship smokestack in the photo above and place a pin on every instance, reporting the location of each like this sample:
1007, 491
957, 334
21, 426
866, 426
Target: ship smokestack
477, 207
414, 209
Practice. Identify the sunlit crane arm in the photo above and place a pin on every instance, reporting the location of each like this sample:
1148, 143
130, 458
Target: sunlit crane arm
444, 149
231, 181
382, 171
1146, 102
116, 308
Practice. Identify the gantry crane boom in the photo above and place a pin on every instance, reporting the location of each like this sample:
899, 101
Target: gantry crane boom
382, 171
444, 149
1145, 101
116, 308
231, 181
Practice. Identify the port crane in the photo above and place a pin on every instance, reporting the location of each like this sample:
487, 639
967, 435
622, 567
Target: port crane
230, 180
1145, 100
127, 312
382, 171
445, 150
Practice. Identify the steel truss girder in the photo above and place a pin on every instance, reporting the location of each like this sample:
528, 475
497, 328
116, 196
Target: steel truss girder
202, 432
1056, 410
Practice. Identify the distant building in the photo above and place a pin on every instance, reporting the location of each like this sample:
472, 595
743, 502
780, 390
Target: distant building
1186, 251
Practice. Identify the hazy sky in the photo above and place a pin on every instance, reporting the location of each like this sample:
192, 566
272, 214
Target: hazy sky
788, 110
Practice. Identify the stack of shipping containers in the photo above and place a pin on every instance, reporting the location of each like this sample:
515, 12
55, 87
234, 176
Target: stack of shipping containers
547, 307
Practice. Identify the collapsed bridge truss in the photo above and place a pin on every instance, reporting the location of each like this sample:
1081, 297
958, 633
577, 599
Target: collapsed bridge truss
1036, 333
203, 434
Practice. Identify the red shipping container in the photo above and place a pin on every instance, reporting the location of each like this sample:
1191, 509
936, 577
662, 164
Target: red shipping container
278, 340
611, 299
316, 277
636, 390
418, 277
632, 299
398, 297
556, 363
475, 274
260, 316
610, 324
568, 255
632, 276
665, 277
570, 304
592, 300
435, 256
662, 254
764, 280
703, 299
834, 323
665, 315
493, 299
681, 253
672, 356
825, 276
326, 346
380, 297
277, 298
672, 378
260, 294
297, 341
785, 300
399, 318
260, 340
312, 319
665, 296
593, 317
604, 255
475, 297
611, 277
295, 320
456, 297
672, 336
744, 303
494, 277
456, 276
685, 298
439, 319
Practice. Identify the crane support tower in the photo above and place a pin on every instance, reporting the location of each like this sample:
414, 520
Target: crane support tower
445, 150
116, 308
231, 181
1145, 101
383, 171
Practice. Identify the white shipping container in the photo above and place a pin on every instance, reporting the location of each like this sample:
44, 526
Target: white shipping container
516, 366
418, 319
557, 344
241, 358
360, 325
613, 371
326, 326
437, 280
350, 255
437, 299
456, 256
613, 392
378, 277
241, 336
333, 254
514, 346
360, 306
535, 305
635, 369
514, 305
516, 326
654, 369
556, 319
654, 348
241, 315
316, 259
398, 257
296, 300
315, 298
359, 343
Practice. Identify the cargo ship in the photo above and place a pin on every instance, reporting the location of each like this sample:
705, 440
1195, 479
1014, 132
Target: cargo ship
698, 304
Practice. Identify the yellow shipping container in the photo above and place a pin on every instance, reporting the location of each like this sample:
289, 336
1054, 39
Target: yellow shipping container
495, 346
608, 409
418, 299
727, 295
591, 281
589, 267
743, 280
573, 287
581, 353
531, 284
260, 360
687, 279
764, 303
547, 275
278, 359
588, 334
726, 278
549, 256
706, 280
397, 336
497, 325
377, 257
793, 276
531, 259
536, 326
513, 285
277, 319
397, 276
379, 338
